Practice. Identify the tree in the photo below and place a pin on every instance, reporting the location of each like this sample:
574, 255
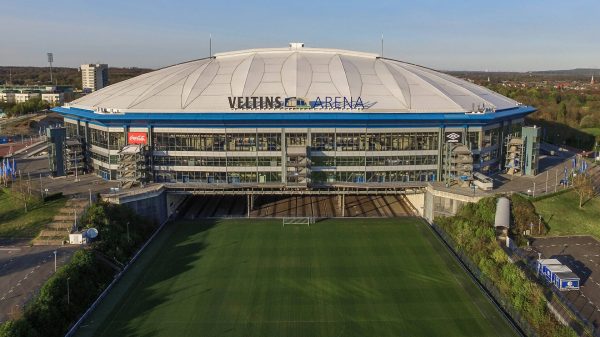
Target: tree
561, 115
584, 187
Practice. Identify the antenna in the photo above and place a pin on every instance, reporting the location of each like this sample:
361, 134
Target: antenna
50, 60
210, 45
382, 45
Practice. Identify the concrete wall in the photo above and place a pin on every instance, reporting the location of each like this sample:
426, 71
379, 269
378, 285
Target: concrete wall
444, 203
148, 202
418, 201
153, 207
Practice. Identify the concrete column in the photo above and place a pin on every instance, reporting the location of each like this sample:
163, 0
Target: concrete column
248, 205
440, 152
283, 158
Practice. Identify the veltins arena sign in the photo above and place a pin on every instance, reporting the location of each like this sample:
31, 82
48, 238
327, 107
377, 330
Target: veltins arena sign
278, 102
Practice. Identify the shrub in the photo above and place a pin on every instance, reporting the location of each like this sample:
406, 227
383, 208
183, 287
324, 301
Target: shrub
473, 233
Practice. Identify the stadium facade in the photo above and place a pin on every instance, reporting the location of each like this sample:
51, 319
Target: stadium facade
291, 116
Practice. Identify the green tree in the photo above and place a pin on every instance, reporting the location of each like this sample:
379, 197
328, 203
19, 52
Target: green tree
584, 187
561, 114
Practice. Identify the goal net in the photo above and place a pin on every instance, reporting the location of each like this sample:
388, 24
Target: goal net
298, 221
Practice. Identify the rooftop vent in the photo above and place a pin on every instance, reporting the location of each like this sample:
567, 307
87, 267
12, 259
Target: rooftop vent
296, 45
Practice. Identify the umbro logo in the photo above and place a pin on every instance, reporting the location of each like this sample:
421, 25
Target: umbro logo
453, 137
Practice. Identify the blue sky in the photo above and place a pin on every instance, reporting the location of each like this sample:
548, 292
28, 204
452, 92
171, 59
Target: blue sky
473, 35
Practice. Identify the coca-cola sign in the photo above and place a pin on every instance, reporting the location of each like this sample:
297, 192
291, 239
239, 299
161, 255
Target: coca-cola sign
137, 138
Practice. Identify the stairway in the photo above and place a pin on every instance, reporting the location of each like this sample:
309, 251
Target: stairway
57, 231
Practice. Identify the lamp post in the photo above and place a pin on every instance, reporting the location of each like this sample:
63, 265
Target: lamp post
68, 292
55, 261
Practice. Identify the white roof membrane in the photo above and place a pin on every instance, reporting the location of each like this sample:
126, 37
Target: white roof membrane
206, 85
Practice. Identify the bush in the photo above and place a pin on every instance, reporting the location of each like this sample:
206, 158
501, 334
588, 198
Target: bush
120, 230
473, 234
52, 312
523, 213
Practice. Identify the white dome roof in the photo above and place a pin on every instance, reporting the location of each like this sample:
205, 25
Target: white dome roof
206, 85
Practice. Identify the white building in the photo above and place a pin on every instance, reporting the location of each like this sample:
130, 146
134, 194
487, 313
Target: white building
54, 98
24, 97
94, 76
7, 97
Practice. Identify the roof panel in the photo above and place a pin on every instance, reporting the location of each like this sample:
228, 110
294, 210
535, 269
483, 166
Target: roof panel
204, 85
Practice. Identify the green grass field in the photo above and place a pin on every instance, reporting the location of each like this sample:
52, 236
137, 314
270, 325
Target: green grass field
592, 131
564, 217
16, 223
350, 277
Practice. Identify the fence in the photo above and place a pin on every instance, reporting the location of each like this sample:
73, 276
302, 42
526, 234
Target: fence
521, 325
583, 327
115, 280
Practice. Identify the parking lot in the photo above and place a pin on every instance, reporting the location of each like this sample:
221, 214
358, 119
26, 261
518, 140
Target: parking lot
23, 270
582, 255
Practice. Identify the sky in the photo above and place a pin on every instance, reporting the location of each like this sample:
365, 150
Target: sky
507, 35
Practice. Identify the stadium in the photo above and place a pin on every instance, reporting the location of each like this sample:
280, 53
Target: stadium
344, 146
292, 117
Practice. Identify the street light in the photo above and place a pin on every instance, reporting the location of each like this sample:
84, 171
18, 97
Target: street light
68, 292
55, 261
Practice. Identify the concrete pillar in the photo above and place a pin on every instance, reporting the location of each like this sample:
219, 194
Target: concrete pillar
248, 206
343, 205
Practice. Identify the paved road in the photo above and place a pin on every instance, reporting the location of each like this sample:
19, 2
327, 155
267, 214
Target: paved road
547, 181
582, 255
23, 270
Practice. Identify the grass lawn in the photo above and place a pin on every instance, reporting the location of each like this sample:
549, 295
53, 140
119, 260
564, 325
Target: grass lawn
563, 215
15, 223
350, 277
592, 131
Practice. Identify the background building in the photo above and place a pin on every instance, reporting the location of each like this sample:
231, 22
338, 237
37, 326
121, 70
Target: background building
94, 76
296, 117
54, 98
25, 96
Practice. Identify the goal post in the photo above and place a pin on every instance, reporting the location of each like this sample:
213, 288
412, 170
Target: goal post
297, 221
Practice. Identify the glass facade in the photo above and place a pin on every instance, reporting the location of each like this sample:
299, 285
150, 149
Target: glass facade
333, 156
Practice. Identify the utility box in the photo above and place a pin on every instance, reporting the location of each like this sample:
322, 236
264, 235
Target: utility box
77, 238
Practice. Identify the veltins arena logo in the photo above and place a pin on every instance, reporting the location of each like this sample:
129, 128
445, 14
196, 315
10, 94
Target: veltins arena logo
278, 102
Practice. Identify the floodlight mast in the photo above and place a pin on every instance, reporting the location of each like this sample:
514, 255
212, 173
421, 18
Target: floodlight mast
50, 60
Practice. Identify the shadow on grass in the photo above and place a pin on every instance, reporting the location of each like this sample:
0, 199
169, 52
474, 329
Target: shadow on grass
146, 296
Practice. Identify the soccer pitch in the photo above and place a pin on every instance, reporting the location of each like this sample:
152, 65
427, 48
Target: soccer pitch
338, 277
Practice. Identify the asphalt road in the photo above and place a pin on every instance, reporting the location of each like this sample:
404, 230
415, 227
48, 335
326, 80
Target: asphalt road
23, 270
582, 255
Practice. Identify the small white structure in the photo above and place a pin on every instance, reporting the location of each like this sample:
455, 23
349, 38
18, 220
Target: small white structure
78, 238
